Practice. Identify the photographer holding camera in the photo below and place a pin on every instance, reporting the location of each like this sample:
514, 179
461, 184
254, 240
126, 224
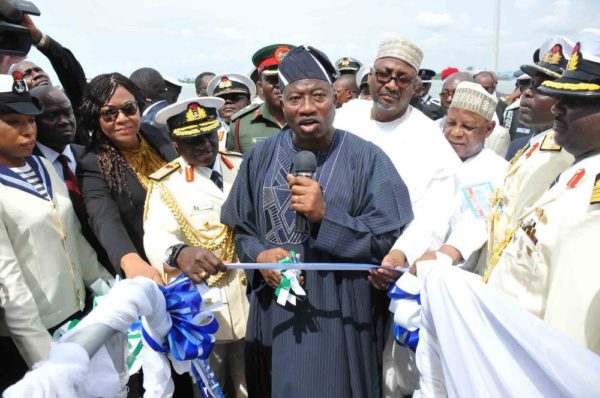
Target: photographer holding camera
18, 33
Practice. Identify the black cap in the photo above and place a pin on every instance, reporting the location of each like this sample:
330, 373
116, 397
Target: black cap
305, 62
426, 75
15, 97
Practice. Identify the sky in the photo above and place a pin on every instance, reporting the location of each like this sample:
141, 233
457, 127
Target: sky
183, 38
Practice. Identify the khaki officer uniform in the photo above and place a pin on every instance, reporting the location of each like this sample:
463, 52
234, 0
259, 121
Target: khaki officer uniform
534, 167
530, 173
178, 211
183, 207
546, 245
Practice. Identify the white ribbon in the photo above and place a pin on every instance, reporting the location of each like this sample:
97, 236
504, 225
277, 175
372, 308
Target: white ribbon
407, 313
289, 295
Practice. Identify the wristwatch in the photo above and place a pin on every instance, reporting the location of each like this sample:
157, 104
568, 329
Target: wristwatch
43, 42
173, 253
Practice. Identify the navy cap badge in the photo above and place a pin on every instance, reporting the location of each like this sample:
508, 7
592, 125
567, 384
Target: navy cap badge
554, 56
19, 86
225, 82
195, 112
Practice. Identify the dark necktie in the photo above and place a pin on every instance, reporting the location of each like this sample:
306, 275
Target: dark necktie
217, 179
72, 183
553, 183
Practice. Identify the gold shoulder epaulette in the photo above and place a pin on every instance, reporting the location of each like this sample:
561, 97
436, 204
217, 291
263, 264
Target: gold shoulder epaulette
549, 144
165, 171
596, 191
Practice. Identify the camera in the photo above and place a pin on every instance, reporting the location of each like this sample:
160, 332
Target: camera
15, 39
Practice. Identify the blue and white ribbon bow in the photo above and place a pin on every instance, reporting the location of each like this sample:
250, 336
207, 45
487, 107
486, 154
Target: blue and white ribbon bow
190, 339
406, 306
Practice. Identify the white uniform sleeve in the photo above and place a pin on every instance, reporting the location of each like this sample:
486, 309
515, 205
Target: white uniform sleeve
574, 297
161, 230
21, 315
91, 269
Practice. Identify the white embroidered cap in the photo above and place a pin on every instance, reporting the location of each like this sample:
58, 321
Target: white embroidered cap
402, 49
473, 97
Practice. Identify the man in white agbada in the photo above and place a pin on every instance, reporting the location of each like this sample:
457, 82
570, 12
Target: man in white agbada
468, 123
482, 341
426, 163
499, 139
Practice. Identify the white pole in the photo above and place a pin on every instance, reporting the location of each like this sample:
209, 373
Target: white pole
496, 35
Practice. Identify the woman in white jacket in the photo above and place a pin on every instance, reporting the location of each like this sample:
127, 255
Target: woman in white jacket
45, 263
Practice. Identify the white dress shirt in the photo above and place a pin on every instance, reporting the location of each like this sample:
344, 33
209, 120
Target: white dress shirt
52, 156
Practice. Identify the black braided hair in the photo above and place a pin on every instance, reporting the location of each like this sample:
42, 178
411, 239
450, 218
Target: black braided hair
111, 162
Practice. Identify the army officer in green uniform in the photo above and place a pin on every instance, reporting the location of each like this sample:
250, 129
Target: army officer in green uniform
260, 121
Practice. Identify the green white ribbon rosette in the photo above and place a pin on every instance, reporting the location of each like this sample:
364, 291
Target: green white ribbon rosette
100, 288
289, 288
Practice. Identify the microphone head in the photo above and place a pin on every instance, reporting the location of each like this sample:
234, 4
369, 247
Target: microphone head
305, 162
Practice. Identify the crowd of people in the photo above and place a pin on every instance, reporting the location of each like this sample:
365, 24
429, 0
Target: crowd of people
117, 177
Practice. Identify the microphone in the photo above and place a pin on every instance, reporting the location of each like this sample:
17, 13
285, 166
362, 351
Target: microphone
305, 165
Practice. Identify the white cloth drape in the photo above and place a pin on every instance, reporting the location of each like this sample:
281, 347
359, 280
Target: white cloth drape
475, 342
69, 372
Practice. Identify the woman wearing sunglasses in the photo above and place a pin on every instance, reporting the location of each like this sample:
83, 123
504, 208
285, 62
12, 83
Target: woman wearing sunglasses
45, 263
115, 170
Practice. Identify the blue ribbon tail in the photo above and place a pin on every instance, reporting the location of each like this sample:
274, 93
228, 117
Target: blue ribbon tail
188, 339
402, 335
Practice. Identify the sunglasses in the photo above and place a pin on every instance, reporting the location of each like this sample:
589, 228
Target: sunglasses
110, 114
385, 77
235, 98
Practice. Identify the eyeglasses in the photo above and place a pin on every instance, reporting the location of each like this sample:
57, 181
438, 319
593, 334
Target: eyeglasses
401, 81
110, 114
